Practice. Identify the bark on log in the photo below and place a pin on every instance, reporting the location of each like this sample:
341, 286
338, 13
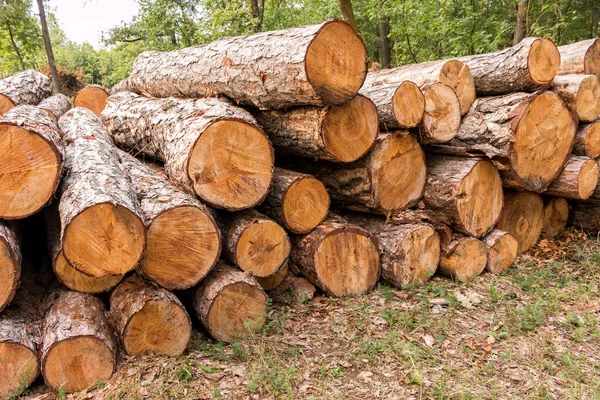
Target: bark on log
340, 258
587, 140
578, 179
102, 231
27, 87
522, 217
183, 241
585, 215
210, 147
92, 97
299, 202
149, 319
56, 106
580, 58
528, 136
78, 346
334, 133
528, 65
556, 215
463, 258
502, 251
230, 304
399, 105
467, 190
581, 93
31, 161
311, 65
293, 290
10, 263
272, 281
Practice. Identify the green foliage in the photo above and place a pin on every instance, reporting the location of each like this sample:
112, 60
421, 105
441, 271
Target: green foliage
20, 36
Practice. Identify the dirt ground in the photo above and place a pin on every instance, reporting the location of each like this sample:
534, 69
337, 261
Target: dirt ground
530, 333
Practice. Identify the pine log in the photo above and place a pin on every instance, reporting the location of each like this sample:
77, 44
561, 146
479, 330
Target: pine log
92, 97
577, 180
587, 140
467, 190
56, 106
31, 161
338, 257
27, 87
528, 136
528, 65
311, 65
580, 58
183, 241
293, 290
556, 215
230, 304
78, 347
585, 215
463, 258
581, 93
299, 202
399, 105
210, 147
335, 133
10, 262
149, 319
272, 281
523, 218
101, 229
502, 251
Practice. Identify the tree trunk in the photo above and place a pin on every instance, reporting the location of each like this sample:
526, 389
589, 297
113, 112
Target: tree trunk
399, 105
523, 218
293, 290
467, 190
312, 65
529, 65
48, 46
528, 136
230, 304
502, 251
297, 201
78, 347
463, 258
10, 263
581, 93
258, 9
348, 13
210, 147
521, 26
92, 97
149, 319
56, 106
14, 44
31, 161
272, 281
340, 258
384, 41
587, 140
27, 87
335, 133
101, 230
556, 215
578, 179
580, 58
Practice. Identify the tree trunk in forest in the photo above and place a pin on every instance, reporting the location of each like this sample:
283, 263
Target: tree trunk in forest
523, 218
348, 13
10, 262
56, 106
580, 58
92, 97
587, 140
27, 87
521, 26
272, 281
463, 258
399, 106
578, 179
258, 10
502, 251
14, 44
384, 41
48, 46
556, 215
581, 93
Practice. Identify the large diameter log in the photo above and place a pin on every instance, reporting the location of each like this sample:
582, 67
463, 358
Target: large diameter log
581, 93
78, 347
92, 97
578, 179
183, 241
528, 65
502, 251
210, 147
523, 218
467, 190
556, 215
399, 105
56, 106
102, 231
340, 258
27, 87
31, 161
149, 319
580, 58
528, 136
336, 133
311, 65
587, 141
230, 304
463, 258
10, 263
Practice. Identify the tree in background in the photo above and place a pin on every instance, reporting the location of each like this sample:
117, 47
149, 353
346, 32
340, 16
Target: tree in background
19, 36
48, 47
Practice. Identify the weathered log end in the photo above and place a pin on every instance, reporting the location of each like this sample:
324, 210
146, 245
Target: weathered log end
502, 251
75, 280
587, 101
272, 281
591, 60
587, 179
441, 118
457, 75
523, 218
587, 141
262, 248
92, 97
18, 369
556, 215
408, 104
305, 205
543, 61
464, 260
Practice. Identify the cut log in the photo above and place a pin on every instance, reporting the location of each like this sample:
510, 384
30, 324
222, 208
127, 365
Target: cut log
31, 160
56, 106
10, 263
272, 281
467, 190
399, 105
78, 347
183, 241
335, 133
463, 258
311, 65
297, 201
556, 215
27, 87
293, 290
92, 97
585, 215
210, 147
528, 65
102, 231
230, 304
523, 218
149, 319
502, 251
441, 118
528, 136
580, 58
254, 242
340, 258
587, 141
581, 93
578, 179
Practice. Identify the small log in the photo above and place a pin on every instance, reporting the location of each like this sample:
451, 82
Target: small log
463, 258
585, 215
272, 281
399, 105
587, 140
502, 251
92, 97
577, 180
230, 304
581, 93
580, 58
10, 263
523, 218
27, 87
56, 106
556, 215
293, 290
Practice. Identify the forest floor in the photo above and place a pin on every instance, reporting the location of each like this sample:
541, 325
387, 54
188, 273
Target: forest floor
530, 333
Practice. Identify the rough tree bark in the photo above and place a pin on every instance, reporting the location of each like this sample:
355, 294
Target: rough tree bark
581, 93
92, 97
27, 87
580, 58
587, 140
578, 179
56, 106
502, 251
523, 218
556, 215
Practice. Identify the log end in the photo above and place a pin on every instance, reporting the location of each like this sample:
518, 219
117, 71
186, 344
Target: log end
523, 218
10, 274
75, 280
543, 61
262, 249
556, 215
587, 101
466, 261
587, 179
408, 104
18, 369
592, 140
93, 98
591, 61
502, 253
458, 76
305, 205
272, 281
442, 113
5, 104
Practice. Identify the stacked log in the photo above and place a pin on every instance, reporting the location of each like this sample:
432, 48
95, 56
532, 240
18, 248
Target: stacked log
56, 106
580, 58
463, 258
502, 251
523, 218
587, 140
581, 93
577, 180
10, 262
399, 105
556, 215
27, 87
92, 97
